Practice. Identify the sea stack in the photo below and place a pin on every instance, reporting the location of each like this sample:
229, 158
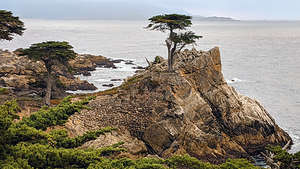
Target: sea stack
189, 111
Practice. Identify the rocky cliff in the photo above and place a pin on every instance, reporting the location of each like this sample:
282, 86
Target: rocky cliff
190, 111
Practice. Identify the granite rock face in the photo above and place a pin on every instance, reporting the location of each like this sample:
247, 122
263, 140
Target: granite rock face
190, 111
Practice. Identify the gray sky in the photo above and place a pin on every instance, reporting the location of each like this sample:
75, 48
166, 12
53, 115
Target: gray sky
139, 9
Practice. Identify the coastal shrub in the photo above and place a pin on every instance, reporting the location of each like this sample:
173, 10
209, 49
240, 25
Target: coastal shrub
11, 163
22, 133
111, 150
61, 139
237, 164
8, 113
56, 115
45, 156
22, 146
285, 159
150, 163
187, 162
125, 163
157, 60
175, 162
112, 164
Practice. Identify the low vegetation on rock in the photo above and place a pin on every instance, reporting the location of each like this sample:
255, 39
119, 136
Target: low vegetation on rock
24, 144
278, 158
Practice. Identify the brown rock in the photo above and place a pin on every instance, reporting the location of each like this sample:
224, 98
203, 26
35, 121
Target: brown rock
192, 110
133, 145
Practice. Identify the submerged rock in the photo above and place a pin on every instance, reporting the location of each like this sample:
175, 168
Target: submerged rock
108, 85
190, 111
138, 67
116, 80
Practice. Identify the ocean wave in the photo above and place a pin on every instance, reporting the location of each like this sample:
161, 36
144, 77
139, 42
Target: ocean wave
234, 80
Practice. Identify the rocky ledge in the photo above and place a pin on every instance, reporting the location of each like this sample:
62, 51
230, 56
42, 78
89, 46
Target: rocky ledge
190, 111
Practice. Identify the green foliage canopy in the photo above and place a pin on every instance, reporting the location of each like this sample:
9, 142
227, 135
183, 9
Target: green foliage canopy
51, 52
169, 22
285, 159
176, 40
10, 25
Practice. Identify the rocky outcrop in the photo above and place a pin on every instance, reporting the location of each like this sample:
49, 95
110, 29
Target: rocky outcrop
26, 77
85, 63
190, 111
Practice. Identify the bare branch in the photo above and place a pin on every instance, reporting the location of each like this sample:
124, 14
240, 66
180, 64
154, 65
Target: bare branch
270, 161
149, 63
182, 46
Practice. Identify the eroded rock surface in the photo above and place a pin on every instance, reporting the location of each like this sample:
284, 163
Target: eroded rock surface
190, 111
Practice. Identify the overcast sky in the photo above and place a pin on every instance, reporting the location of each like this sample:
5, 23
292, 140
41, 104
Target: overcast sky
138, 9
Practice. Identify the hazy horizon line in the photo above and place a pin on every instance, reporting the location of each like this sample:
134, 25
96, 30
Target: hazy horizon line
146, 19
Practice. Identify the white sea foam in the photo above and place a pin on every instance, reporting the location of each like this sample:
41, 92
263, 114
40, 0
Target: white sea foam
234, 80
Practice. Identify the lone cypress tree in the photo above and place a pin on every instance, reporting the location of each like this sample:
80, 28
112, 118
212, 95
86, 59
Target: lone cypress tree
10, 25
175, 41
50, 53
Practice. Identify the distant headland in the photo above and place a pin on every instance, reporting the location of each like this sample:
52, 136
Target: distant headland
213, 18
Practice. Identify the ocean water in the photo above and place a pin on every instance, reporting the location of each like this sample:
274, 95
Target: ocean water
260, 59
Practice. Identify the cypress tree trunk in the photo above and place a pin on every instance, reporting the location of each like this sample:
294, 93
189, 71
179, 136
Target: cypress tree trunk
172, 56
170, 53
170, 68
